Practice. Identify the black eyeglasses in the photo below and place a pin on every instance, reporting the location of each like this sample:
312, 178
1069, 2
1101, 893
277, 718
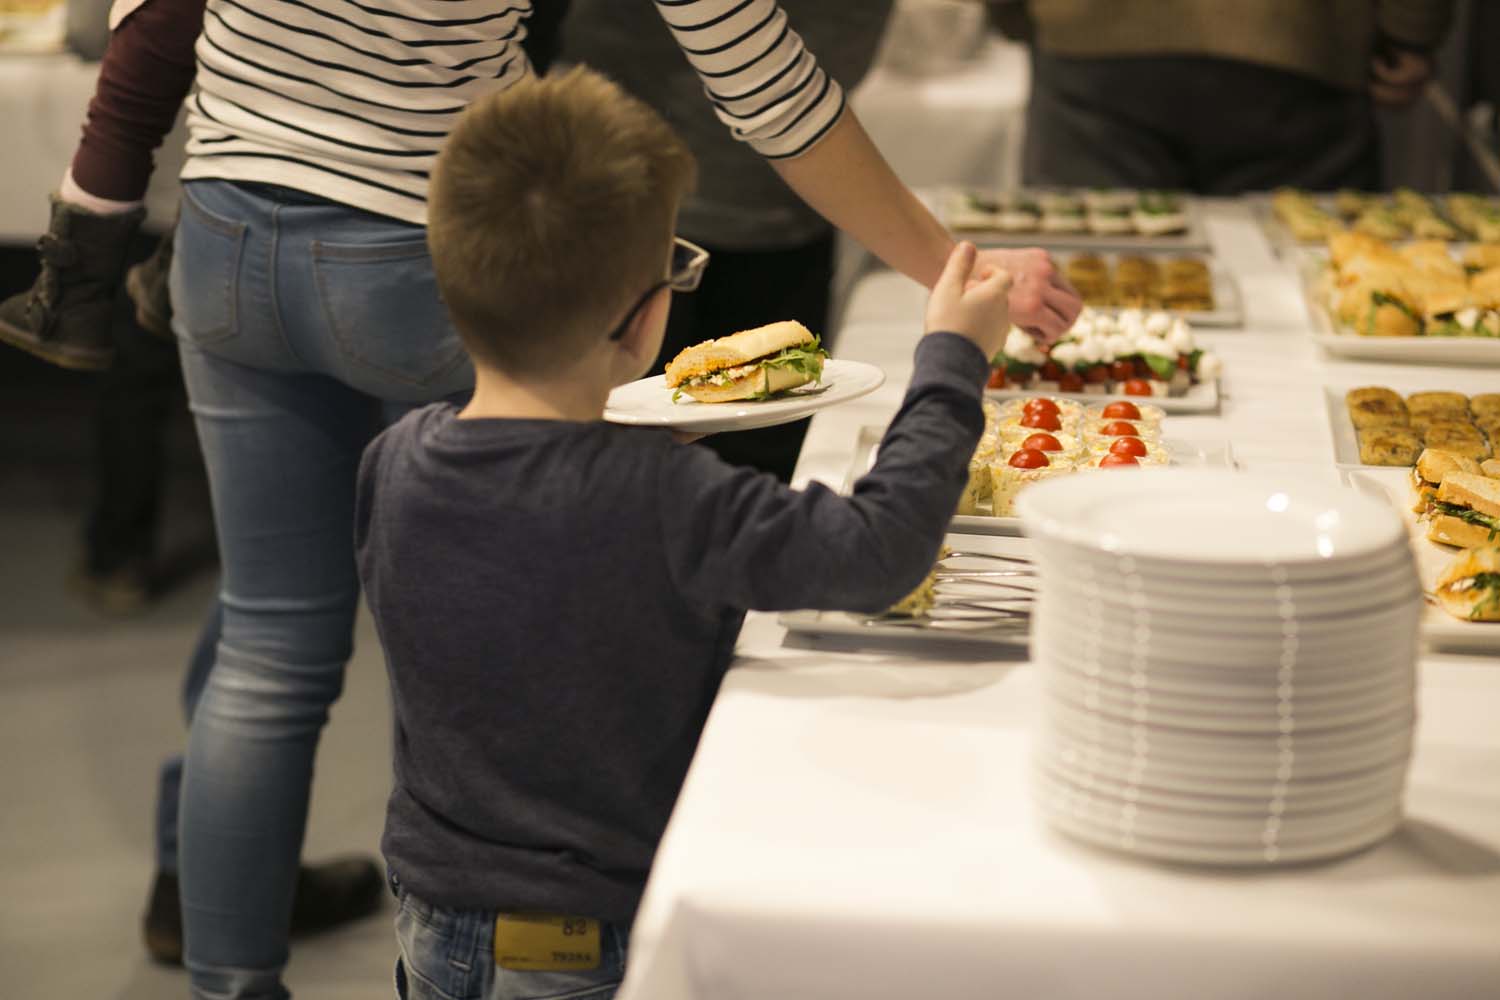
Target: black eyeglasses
683, 275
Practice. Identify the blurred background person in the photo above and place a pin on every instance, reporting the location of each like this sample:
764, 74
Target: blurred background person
1219, 98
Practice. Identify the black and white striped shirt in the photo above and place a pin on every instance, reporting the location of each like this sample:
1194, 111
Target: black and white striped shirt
352, 99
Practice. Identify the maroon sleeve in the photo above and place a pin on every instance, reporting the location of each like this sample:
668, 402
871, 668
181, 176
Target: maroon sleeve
143, 78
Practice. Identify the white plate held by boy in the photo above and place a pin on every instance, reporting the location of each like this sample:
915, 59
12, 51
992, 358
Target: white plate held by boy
648, 402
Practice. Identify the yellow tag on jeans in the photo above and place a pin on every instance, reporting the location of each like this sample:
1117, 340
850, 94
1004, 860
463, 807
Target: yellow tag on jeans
544, 943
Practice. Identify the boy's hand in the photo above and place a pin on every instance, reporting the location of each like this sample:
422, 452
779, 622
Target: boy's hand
1041, 301
970, 299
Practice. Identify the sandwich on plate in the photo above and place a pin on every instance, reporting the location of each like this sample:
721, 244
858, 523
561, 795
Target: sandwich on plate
1470, 587
752, 364
1466, 511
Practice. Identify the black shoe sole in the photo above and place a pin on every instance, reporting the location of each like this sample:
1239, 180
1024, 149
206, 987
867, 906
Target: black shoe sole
62, 355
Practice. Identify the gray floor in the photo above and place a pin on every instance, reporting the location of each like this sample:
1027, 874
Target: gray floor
88, 707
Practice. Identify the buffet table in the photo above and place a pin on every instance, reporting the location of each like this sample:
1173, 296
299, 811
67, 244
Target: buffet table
859, 824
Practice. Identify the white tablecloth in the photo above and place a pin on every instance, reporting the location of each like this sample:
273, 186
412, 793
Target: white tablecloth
859, 825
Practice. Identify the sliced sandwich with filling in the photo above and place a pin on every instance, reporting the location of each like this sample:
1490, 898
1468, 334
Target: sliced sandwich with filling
753, 364
1470, 587
1466, 511
1427, 475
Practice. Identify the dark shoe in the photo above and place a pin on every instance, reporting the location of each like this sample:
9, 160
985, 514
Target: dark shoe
162, 925
328, 895
65, 316
118, 593
147, 285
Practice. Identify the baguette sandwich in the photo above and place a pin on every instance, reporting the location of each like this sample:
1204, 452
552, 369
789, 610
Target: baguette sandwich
1466, 511
753, 364
1427, 475
1470, 587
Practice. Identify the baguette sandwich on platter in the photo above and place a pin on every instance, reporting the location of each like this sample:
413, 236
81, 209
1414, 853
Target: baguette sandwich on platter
752, 364
1427, 475
1470, 587
1466, 511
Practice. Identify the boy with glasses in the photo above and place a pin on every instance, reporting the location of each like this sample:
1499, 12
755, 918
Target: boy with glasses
558, 598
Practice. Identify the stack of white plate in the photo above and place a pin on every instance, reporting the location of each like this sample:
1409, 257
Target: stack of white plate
1228, 664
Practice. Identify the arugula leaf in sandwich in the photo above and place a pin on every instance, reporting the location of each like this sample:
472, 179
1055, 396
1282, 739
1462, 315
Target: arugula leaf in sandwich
1466, 511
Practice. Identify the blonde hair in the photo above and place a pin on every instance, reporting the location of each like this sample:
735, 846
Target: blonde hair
550, 212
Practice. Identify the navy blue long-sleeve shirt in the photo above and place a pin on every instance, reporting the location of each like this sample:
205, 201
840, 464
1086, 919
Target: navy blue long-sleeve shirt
558, 602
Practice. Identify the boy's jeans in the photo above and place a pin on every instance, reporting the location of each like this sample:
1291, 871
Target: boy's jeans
449, 955
303, 326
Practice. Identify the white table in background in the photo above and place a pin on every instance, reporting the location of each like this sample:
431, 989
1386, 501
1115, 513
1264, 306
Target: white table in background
859, 824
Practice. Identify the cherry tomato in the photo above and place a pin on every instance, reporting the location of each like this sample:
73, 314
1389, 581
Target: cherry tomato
1070, 382
1134, 447
1050, 370
997, 379
1121, 410
1109, 460
1096, 374
1041, 420
1042, 442
1119, 371
1137, 387
1184, 363
1120, 428
1029, 458
1040, 404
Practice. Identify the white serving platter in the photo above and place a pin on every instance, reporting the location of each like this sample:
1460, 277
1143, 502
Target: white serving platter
1345, 438
1438, 628
1342, 342
1012, 634
1186, 453
648, 402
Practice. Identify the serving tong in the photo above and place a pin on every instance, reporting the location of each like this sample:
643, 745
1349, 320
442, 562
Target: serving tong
951, 610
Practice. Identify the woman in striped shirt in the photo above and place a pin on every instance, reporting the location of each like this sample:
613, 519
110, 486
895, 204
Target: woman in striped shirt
307, 316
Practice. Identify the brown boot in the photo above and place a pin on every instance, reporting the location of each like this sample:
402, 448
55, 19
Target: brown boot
65, 316
147, 285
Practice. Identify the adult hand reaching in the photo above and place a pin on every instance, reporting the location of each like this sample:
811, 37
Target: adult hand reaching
1041, 301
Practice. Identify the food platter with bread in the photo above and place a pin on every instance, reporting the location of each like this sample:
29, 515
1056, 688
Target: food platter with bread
1080, 218
1384, 426
1420, 302
1293, 217
1451, 505
1191, 286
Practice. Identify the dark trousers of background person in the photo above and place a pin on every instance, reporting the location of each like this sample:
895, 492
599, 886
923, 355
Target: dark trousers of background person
1213, 126
742, 289
138, 396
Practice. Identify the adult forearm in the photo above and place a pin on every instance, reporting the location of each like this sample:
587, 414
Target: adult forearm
848, 182
146, 72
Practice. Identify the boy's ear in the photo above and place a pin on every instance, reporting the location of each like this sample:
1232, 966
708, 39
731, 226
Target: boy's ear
643, 332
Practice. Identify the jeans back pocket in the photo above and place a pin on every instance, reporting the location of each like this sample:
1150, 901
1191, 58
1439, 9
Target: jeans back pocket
205, 273
381, 304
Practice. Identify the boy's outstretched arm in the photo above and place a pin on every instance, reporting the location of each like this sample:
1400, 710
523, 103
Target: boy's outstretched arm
736, 539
